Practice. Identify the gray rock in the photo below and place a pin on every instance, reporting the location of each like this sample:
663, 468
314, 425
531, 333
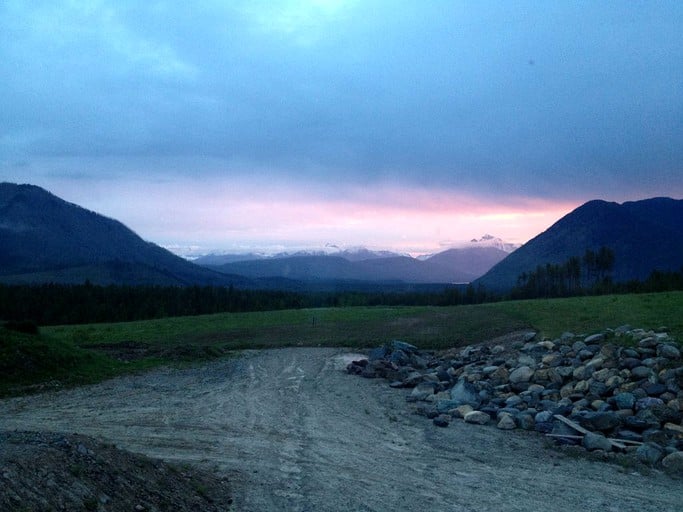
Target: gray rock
585, 354
654, 389
465, 393
378, 353
598, 388
578, 346
399, 357
506, 422
641, 372
422, 390
592, 441
444, 406
649, 342
402, 345
625, 400
629, 362
649, 453
525, 421
513, 401
601, 421
477, 417
442, 420
655, 435
668, 351
593, 339
500, 376
543, 417
648, 403
521, 374
581, 372
412, 379
673, 463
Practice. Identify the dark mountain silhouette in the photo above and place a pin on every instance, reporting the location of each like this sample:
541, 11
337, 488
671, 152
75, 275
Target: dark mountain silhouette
46, 239
451, 266
358, 254
645, 235
472, 260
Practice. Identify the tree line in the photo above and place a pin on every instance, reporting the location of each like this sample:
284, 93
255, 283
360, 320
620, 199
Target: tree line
590, 273
55, 304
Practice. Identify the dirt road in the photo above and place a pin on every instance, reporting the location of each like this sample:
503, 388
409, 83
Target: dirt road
295, 433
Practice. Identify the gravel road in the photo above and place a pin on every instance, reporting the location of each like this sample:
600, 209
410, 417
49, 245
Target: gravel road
294, 432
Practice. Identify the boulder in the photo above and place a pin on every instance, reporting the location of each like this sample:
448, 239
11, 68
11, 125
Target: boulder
402, 345
668, 351
477, 417
521, 374
593, 441
465, 394
599, 421
641, 372
625, 400
673, 463
422, 391
594, 338
525, 421
462, 411
649, 453
506, 422
442, 420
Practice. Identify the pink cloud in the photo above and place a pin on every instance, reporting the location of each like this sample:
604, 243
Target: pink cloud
231, 213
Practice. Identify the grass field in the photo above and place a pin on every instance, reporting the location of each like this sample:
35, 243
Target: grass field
89, 352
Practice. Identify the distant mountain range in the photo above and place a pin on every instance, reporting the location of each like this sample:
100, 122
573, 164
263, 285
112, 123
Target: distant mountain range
46, 239
460, 265
644, 236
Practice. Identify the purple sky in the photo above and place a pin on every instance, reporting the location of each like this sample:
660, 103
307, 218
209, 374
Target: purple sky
265, 125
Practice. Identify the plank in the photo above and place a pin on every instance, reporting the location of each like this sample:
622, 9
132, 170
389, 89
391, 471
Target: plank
579, 428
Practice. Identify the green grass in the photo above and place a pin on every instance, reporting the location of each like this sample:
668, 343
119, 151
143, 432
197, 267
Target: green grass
591, 314
87, 353
429, 327
35, 362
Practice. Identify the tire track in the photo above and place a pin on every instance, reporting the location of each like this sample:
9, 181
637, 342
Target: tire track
293, 432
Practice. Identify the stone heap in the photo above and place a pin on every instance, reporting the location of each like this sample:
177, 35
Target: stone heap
621, 389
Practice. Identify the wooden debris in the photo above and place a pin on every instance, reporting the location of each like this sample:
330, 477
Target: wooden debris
579, 428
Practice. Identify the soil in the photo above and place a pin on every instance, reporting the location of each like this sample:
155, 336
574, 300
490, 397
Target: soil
290, 430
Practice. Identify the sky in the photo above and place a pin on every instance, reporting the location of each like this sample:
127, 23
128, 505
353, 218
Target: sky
408, 125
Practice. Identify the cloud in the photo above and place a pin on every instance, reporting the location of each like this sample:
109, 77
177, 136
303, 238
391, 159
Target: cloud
439, 98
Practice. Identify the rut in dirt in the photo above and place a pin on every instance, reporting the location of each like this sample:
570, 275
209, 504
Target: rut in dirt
293, 431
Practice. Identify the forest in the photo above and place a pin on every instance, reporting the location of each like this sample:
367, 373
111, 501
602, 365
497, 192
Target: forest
55, 304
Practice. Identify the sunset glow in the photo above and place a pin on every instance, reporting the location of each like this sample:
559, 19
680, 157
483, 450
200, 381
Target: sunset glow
279, 125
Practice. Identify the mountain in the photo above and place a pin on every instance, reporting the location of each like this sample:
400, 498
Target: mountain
213, 259
46, 239
315, 268
451, 266
355, 254
492, 241
644, 235
473, 260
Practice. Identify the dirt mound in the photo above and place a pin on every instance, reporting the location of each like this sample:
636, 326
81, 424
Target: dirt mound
45, 471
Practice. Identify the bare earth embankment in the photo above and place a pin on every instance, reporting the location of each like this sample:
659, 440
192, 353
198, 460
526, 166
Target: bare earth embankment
292, 431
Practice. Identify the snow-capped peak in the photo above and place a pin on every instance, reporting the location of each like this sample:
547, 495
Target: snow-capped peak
493, 241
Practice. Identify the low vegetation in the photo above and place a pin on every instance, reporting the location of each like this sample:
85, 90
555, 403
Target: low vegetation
75, 354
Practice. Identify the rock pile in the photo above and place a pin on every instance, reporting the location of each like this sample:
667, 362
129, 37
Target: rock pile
618, 390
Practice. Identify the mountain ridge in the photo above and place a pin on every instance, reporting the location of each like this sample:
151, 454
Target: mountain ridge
645, 235
40, 232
